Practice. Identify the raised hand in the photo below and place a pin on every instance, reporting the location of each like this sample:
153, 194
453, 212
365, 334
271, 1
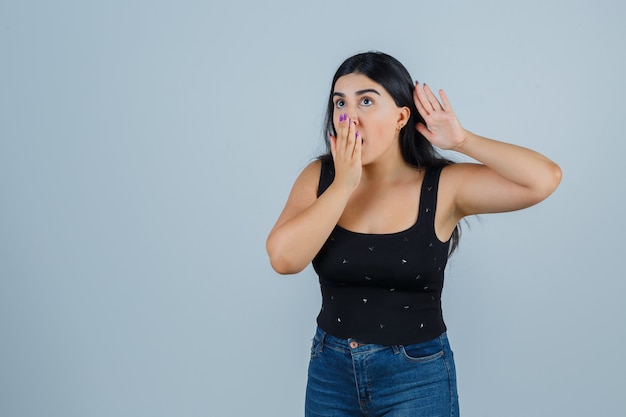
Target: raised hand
442, 128
346, 152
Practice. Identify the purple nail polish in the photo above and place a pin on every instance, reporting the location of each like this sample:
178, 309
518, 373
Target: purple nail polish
357, 133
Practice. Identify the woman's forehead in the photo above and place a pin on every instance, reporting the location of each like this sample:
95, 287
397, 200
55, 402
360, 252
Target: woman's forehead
351, 83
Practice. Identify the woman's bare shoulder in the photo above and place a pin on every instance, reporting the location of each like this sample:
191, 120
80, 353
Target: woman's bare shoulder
303, 192
310, 175
454, 174
304, 189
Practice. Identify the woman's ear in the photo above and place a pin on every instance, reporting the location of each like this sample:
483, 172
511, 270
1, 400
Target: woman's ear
403, 117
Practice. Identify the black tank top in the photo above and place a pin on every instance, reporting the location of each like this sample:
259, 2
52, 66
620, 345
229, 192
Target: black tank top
384, 288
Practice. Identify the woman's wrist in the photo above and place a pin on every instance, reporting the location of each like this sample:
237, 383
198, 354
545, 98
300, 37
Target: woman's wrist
466, 142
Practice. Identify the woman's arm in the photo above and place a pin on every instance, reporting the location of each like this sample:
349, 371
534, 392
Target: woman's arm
307, 221
511, 177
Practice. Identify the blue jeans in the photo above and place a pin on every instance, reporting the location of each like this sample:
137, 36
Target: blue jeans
348, 378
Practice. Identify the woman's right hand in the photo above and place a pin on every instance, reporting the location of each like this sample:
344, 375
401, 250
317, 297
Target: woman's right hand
346, 151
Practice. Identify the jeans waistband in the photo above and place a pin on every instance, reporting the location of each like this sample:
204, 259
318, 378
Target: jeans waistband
354, 345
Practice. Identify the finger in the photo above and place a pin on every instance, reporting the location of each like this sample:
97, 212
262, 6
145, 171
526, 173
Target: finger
351, 137
356, 154
333, 145
342, 132
418, 102
446, 102
421, 128
434, 102
424, 100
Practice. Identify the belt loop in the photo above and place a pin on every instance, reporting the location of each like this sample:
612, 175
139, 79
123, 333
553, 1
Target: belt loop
322, 339
396, 349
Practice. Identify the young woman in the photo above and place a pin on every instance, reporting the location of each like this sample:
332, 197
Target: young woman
377, 216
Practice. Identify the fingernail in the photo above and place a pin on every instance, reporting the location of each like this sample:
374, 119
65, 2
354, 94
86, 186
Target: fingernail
357, 133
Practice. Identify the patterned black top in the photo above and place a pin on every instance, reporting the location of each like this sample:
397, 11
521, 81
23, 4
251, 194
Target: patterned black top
384, 288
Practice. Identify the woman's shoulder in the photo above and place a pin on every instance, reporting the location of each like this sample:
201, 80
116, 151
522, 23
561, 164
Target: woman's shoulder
309, 177
459, 172
313, 169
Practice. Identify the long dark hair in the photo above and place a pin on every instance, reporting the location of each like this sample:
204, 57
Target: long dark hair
394, 77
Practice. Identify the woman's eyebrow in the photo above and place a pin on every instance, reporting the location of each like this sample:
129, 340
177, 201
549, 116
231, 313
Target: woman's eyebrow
367, 90
358, 93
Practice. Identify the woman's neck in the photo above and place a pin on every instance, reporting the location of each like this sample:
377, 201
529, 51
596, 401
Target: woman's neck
390, 167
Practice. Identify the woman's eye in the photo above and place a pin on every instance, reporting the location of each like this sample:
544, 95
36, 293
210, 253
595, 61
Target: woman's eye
366, 102
340, 103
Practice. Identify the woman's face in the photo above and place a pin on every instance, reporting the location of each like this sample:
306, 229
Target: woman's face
377, 117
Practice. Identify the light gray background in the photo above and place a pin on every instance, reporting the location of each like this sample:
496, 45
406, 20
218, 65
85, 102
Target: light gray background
147, 147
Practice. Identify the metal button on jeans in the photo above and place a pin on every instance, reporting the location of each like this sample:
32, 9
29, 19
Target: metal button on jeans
354, 345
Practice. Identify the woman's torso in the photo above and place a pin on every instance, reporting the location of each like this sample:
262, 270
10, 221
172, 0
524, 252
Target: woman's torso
381, 269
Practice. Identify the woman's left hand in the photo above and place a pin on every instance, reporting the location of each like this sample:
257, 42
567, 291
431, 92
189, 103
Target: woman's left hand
442, 128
